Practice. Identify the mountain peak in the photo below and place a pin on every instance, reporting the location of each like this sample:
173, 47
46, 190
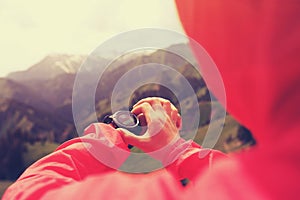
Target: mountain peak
50, 67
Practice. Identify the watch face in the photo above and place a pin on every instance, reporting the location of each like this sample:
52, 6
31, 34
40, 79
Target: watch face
125, 119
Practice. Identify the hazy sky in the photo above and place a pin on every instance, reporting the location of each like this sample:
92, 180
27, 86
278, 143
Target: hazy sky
32, 29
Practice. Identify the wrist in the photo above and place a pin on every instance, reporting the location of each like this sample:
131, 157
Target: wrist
105, 144
171, 152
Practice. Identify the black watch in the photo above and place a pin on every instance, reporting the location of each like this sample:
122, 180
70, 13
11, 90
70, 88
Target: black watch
124, 119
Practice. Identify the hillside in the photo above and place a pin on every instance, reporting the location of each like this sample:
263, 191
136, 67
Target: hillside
19, 92
21, 124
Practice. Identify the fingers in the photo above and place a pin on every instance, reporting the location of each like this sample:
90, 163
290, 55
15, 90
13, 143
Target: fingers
168, 108
160, 107
152, 115
173, 113
145, 110
142, 119
178, 121
155, 100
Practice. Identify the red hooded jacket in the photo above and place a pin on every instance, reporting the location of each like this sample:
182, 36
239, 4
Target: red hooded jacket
255, 45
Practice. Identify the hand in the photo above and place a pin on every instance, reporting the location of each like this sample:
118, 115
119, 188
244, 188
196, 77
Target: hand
106, 144
163, 124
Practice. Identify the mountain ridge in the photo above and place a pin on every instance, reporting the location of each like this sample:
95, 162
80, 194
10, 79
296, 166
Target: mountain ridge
19, 92
57, 64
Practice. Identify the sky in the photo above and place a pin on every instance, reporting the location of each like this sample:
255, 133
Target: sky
32, 29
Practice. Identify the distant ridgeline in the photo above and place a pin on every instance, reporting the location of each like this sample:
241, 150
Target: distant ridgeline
36, 104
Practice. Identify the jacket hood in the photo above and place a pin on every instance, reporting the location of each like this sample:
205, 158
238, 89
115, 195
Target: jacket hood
256, 48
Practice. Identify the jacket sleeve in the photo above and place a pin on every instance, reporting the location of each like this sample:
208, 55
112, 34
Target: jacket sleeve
193, 161
73, 161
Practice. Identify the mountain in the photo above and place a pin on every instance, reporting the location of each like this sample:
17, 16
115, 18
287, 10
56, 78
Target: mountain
185, 53
32, 123
56, 91
22, 126
48, 85
50, 67
12, 90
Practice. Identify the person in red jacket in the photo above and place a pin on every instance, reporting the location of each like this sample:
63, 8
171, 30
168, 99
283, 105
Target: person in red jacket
255, 45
